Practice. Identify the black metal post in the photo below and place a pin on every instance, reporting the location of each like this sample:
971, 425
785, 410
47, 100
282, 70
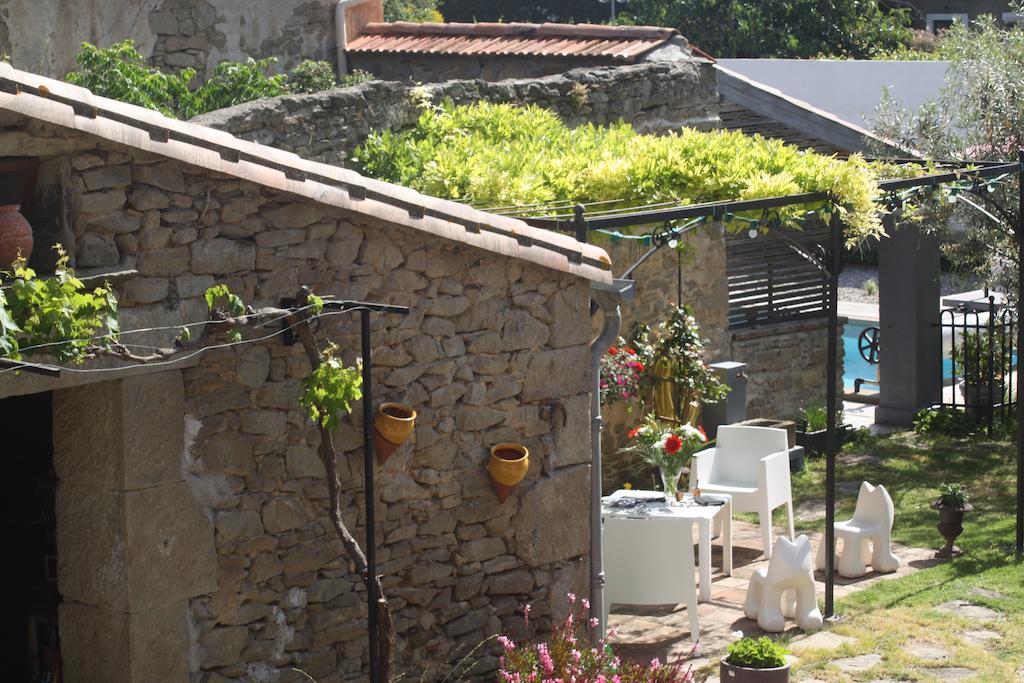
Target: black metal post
834, 266
372, 600
1019, 235
580, 223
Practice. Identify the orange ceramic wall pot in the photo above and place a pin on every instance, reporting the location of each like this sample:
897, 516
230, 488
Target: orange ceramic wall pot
392, 426
507, 466
15, 235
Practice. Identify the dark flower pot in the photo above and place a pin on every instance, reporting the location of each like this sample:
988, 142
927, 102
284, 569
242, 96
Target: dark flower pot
950, 525
814, 443
730, 673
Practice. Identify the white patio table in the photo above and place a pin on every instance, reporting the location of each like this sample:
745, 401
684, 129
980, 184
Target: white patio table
687, 512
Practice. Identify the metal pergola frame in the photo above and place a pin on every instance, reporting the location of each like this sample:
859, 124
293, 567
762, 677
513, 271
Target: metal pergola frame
580, 224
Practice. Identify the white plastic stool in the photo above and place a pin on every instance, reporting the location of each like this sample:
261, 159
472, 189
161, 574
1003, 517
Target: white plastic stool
871, 522
784, 589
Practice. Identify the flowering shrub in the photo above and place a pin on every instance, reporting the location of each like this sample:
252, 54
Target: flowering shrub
569, 657
621, 374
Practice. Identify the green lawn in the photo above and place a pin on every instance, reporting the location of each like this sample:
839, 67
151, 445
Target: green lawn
886, 618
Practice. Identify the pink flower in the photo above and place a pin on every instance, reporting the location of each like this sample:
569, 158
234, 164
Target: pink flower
571, 597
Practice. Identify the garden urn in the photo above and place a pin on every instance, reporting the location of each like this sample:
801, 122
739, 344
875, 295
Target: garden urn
507, 466
392, 426
15, 235
731, 673
951, 525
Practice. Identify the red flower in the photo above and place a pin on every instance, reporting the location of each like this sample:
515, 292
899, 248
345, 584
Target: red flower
613, 350
673, 444
638, 366
702, 432
633, 432
631, 352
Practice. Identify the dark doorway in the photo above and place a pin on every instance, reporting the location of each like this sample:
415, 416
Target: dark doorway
30, 642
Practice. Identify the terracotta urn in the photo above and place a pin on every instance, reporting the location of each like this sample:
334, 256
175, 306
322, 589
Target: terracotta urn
15, 235
392, 426
507, 466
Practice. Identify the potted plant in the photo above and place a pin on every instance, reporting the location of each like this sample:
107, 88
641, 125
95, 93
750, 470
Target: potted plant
951, 504
15, 236
812, 429
676, 379
507, 466
755, 660
667, 447
392, 426
982, 361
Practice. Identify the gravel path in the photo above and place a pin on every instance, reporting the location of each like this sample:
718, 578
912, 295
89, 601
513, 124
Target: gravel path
854, 284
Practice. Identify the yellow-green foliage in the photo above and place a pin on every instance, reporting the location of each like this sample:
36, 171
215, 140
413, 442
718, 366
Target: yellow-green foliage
501, 155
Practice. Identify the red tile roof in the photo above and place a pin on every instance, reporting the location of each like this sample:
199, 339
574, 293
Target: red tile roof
619, 43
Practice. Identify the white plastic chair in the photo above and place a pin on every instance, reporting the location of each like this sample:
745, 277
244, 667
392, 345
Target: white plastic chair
751, 464
784, 589
871, 523
649, 561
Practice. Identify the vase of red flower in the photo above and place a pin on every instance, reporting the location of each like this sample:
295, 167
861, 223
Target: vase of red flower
666, 447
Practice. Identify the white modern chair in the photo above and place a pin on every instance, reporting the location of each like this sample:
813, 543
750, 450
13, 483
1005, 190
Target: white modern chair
784, 589
871, 523
751, 464
649, 561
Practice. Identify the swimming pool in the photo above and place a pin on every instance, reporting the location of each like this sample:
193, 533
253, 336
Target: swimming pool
853, 365
856, 367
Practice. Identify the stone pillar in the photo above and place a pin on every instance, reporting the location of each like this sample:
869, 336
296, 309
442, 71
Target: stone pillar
132, 544
910, 354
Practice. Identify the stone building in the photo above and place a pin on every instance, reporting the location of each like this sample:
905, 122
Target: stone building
43, 37
186, 500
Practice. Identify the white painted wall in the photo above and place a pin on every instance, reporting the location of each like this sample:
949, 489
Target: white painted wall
848, 89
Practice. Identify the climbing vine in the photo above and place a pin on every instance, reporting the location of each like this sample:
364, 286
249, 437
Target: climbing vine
57, 315
503, 155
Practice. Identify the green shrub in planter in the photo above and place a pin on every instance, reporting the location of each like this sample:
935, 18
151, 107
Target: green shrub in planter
755, 660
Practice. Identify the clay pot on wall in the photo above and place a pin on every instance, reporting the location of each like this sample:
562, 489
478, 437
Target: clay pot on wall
507, 466
15, 235
392, 426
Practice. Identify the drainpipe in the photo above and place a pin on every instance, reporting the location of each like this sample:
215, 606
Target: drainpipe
341, 34
608, 298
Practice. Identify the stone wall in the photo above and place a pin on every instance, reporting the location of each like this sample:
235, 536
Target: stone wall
494, 349
704, 288
786, 366
327, 126
43, 37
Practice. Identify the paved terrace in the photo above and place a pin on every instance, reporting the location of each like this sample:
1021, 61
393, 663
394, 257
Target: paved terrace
662, 631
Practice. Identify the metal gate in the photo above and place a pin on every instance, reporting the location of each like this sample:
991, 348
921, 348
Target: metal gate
979, 371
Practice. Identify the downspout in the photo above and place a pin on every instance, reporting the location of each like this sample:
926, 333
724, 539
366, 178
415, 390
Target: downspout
608, 298
341, 34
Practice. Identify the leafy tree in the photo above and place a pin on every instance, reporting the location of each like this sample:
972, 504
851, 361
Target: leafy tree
568, 11
779, 28
978, 115
411, 10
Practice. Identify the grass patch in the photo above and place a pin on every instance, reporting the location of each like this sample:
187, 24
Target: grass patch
890, 616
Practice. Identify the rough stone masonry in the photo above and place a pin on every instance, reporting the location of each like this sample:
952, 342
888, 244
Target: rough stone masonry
494, 349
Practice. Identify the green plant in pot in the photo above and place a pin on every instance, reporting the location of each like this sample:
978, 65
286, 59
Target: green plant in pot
982, 361
812, 429
755, 660
951, 504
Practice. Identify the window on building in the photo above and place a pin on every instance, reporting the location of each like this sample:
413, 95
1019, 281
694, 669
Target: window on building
938, 23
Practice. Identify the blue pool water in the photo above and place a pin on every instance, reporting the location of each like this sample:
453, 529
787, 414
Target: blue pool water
856, 367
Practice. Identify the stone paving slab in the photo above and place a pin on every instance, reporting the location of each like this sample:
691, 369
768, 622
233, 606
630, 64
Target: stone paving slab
662, 631
969, 610
858, 664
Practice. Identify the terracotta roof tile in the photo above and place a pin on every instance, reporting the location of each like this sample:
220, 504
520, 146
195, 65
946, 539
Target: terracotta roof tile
620, 43
70, 106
